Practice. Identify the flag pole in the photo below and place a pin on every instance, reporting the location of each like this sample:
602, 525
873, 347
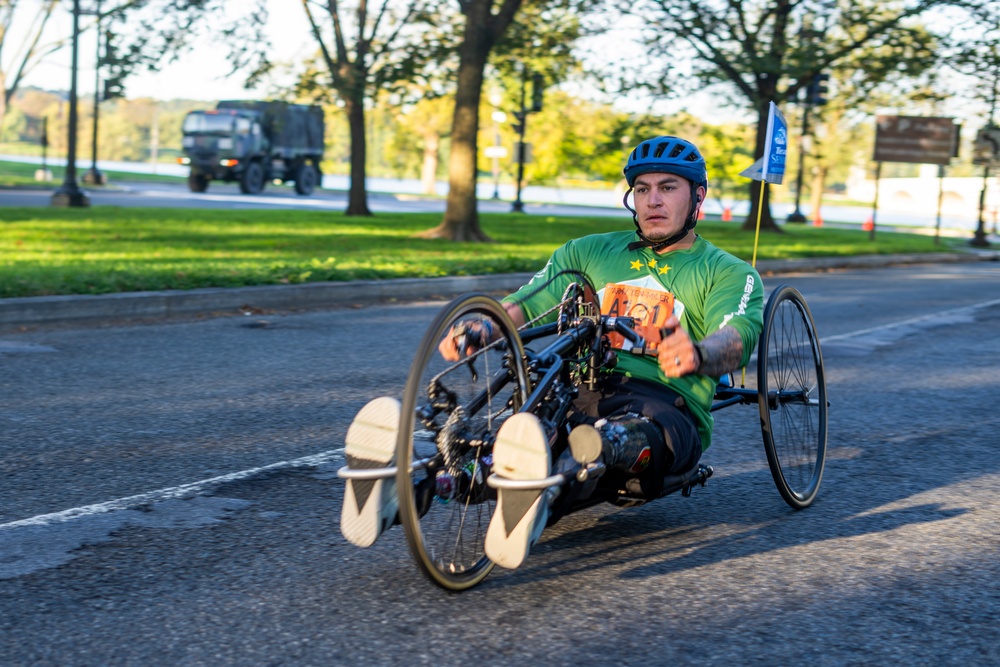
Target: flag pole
769, 168
756, 234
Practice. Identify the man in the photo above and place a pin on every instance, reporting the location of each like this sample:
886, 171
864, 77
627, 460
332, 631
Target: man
650, 417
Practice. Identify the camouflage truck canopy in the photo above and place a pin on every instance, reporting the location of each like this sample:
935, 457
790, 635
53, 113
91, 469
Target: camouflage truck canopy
293, 129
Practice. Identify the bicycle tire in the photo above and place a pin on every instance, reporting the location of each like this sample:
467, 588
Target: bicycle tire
448, 507
791, 395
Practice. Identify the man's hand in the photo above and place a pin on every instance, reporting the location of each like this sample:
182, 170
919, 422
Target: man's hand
676, 353
469, 337
717, 354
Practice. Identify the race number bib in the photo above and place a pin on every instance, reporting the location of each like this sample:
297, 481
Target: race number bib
649, 307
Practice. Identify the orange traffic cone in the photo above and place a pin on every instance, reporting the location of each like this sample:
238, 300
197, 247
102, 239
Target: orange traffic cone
701, 214
727, 214
818, 220
868, 225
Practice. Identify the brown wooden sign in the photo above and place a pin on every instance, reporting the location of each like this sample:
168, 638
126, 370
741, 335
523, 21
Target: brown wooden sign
918, 139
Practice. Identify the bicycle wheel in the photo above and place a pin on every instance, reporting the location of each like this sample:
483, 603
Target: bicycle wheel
791, 394
450, 414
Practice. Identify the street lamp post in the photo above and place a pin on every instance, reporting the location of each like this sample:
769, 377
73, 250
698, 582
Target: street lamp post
498, 118
979, 239
70, 194
522, 119
797, 215
93, 176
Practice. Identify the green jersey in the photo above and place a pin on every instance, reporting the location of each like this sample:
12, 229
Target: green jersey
711, 289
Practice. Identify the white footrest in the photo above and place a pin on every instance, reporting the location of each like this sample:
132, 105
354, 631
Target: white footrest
377, 473
497, 482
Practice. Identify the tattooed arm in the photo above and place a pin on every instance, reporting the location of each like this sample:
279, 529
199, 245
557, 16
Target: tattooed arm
717, 354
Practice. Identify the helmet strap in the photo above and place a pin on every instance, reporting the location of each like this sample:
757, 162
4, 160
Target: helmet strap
657, 246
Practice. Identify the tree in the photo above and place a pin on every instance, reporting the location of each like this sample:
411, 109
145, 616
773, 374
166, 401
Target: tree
546, 31
385, 49
485, 22
974, 51
29, 52
768, 50
422, 127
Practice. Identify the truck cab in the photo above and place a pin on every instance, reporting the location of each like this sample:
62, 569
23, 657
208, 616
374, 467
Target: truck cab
224, 145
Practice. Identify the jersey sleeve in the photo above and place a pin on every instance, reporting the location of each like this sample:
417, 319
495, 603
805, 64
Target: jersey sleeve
737, 300
545, 289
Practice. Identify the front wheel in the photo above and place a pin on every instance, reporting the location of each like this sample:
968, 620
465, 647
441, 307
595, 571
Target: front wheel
197, 182
450, 414
791, 394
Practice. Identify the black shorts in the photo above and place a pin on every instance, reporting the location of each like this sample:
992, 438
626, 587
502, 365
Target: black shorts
619, 395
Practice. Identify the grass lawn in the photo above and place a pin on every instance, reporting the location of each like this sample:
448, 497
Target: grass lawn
109, 249
22, 174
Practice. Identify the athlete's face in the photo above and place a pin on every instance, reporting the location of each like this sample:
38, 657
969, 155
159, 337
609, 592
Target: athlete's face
662, 204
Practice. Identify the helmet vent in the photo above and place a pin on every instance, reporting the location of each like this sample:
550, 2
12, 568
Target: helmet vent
645, 150
692, 157
659, 150
676, 150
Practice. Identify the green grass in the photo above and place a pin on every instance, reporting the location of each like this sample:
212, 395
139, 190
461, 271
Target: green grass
110, 249
22, 174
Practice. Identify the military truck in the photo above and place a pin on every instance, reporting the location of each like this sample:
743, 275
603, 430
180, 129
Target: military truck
253, 142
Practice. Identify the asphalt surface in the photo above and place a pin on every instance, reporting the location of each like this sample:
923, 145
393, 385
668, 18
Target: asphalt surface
170, 498
133, 306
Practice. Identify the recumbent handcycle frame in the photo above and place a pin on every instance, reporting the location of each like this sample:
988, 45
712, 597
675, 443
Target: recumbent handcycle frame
451, 412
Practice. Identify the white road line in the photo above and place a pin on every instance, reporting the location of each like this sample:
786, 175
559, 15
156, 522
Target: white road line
941, 315
172, 492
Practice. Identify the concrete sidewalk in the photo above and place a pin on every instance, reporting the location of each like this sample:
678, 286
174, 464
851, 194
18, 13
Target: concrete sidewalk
131, 306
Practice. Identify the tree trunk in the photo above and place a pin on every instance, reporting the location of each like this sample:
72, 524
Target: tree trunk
767, 222
816, 196
4, 95
428, 173
357, 197
461, 216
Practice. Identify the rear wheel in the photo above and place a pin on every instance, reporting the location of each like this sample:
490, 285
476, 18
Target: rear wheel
450, 413
306, 179
252, 179
792, 397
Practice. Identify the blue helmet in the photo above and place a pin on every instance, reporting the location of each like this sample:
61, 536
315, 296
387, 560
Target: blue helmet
669, 155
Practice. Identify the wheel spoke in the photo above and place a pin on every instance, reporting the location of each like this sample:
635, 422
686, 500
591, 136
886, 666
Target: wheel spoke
456, 423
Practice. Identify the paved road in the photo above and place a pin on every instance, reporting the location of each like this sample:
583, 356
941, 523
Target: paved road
539, 201
169, 499
228, 196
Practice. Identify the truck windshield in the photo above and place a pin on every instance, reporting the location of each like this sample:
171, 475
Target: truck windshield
200, 122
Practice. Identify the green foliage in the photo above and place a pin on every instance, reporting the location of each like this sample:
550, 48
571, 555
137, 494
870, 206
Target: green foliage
107, 249
20, 174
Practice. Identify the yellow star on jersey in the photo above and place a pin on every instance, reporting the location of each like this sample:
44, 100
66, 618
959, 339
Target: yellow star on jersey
663, 269
651, 263
637, 265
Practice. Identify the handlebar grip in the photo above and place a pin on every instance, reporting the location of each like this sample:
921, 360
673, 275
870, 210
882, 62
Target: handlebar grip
628, 332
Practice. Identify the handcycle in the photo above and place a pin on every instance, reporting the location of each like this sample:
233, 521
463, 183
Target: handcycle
451, 412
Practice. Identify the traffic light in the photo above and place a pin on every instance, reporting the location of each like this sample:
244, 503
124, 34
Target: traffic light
519, 125
537, 91
817, 89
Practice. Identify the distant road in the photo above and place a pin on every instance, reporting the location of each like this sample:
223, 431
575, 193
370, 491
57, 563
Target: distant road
389, 195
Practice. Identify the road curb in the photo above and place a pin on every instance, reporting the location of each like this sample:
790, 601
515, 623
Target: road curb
34, 311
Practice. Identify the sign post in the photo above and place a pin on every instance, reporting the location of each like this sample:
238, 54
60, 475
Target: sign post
914, 139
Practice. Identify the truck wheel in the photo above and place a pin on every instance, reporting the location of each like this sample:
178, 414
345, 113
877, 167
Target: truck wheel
305, 179
197, 182
252, 180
